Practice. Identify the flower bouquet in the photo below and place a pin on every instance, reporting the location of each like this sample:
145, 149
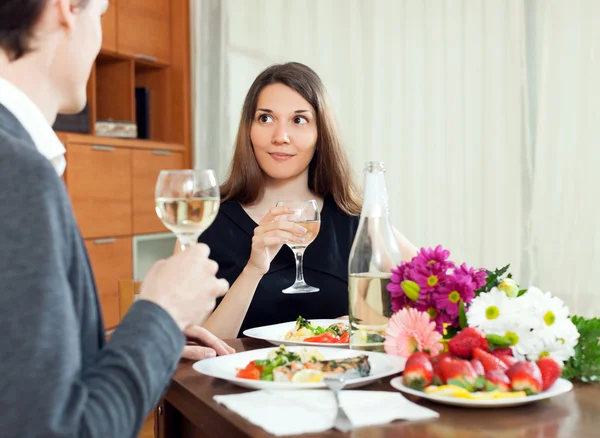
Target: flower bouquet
474, 333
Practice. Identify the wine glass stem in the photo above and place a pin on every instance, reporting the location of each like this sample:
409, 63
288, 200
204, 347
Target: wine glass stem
185, 246
299, 270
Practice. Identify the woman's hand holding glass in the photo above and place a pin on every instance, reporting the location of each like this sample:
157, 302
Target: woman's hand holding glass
270, 235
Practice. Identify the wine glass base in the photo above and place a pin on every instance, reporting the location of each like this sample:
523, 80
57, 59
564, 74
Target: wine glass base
300, 288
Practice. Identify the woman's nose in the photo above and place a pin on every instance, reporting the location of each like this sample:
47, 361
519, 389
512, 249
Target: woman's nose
280, 136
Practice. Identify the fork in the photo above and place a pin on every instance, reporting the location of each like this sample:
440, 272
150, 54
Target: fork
335, 383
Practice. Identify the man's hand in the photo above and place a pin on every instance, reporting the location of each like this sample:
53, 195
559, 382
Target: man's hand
202, 344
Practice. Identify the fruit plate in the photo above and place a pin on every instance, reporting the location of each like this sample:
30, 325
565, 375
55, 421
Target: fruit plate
561, 386
275, 334
226, 367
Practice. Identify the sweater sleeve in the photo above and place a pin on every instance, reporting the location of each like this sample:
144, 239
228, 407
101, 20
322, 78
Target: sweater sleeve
45, 390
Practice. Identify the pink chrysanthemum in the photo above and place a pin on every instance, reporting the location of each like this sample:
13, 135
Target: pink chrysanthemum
410, 330
477, 276
432, 308
429, 277
450, 294
429, 256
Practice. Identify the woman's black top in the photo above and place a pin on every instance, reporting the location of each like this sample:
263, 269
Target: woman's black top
325, 265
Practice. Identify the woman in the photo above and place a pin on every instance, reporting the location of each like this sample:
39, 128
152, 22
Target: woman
287, 148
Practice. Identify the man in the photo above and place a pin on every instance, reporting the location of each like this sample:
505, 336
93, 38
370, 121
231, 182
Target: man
58, 376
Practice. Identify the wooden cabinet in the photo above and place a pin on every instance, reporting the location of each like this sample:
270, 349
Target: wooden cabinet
109, 27
146, 166
111, 260
99, 183
143, 29
111, 181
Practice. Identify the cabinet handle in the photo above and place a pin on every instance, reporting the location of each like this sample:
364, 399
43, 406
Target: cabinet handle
160, 152
103, 148
146, 57
105, 241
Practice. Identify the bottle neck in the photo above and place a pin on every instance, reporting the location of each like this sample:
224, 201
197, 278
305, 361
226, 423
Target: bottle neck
375, 203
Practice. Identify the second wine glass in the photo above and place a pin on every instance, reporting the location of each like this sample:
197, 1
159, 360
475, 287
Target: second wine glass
307, 215
187, 202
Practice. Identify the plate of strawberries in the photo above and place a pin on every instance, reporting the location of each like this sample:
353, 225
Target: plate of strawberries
473, 374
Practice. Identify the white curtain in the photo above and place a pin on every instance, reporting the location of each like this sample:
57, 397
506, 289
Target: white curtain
442, 92
566, 187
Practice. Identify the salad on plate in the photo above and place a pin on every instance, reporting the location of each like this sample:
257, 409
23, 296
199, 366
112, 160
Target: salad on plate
337, 333
303, 366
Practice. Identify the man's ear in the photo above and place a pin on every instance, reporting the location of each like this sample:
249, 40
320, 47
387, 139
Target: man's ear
66, 12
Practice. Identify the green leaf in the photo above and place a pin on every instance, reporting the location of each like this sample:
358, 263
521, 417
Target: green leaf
480, 382
521, 292
498, 341
493, 279
461, 383
451, 332
585, 364
489, 386
462, 316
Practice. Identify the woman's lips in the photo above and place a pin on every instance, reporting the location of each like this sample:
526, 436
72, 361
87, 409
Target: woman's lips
277, 156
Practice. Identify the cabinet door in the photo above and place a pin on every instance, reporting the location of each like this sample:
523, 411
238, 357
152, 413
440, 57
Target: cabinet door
109, 27
144, 29
99, 183
146, 166
111, 260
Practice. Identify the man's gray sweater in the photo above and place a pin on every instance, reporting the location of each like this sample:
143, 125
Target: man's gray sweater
58, 377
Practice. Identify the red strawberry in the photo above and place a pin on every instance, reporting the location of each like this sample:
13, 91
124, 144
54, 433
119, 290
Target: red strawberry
478, 367
418, 371
468, 338
499, 379
458, 372
551, 370
436, 361
508, 360
502, 352
489, 361
525, 376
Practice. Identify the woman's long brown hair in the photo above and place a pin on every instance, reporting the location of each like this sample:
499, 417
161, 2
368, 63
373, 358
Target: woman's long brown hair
329, 171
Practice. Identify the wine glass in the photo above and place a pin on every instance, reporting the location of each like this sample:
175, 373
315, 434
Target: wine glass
187, 202
307, 215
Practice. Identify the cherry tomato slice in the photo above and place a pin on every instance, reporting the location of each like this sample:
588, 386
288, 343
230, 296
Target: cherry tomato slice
327, 337
250, 372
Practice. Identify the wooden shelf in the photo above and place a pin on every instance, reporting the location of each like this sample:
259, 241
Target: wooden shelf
131, 143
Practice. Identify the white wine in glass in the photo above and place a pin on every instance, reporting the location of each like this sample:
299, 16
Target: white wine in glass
307, 215
187, 202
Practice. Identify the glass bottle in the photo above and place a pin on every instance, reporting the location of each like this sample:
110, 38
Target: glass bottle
374, 253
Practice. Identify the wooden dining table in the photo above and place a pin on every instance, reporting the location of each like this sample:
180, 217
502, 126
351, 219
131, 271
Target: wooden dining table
188, 411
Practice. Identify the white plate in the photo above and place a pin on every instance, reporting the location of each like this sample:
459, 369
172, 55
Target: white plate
561, 386
275, 334
226, 367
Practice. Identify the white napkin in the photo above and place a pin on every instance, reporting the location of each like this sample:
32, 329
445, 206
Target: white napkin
291, 412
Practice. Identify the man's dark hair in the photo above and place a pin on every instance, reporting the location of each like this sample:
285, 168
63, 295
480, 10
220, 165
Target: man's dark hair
17, 21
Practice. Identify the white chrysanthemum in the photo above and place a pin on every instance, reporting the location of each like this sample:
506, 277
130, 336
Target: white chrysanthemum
550, 313
560, 348
521, 338
493, 312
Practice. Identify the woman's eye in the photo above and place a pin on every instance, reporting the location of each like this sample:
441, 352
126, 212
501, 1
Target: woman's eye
265, 118
300, 120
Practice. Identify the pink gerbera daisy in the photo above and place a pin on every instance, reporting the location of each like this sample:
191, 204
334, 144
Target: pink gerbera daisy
410, 330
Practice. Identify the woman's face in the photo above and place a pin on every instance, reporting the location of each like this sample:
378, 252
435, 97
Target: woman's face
283, 132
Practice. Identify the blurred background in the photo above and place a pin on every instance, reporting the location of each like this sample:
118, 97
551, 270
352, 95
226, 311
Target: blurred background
486, 114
